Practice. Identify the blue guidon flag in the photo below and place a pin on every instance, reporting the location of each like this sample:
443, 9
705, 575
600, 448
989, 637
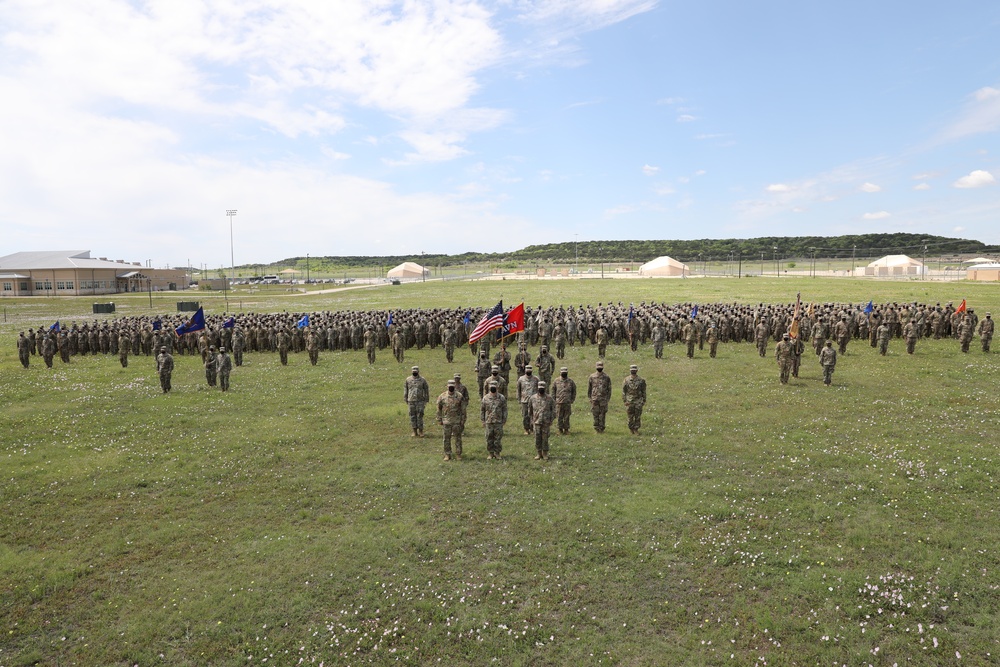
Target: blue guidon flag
388, 322
304, 322
230, 323
55, 327
196, 323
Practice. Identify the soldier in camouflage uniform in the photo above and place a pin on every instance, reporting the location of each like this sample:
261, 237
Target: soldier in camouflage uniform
164, 368
565, 394
783, 354
451, 416
634, 397
965, 331
370, 339
986, 332
542, 412
910, 336
48, 348
658, 336
416, 393
210, 369
124, 347
24, 348
500, 380
493, 413
483, 369
828, 360
882, 336
464, 392
223, 367
527, 386
545, 365
450, 340
602, 340
599, 395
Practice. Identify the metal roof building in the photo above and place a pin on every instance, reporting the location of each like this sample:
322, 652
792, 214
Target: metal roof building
76, 273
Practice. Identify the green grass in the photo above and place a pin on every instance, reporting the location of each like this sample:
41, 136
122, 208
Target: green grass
293, 518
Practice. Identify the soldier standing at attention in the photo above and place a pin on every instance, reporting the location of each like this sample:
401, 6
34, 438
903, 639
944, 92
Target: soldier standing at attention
501, 381
545, 365
691, 336
450, 340
599, 395
370, 339
483, 369
283, 342
493, 412
165, 368
521, 359
565, 394
210, 368
527, 386
124, 346
882, 336
783, 353
760, 337
416, 393
602, 340
828, 360
634, 396
48, 348
223, 367
542, 411
451, 415
659, 334
910, 336
965, 329
501, 360
713, 340
986, 332
24, 349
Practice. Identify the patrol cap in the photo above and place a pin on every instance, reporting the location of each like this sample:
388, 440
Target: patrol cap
495, 369
529, 367
163, 349
545, 348
600, 364
451, 383
541, 384
458, 376
633, 367
493, 383
564, 370
415, 368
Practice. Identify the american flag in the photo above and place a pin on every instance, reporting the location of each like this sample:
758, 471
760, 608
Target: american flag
490, 321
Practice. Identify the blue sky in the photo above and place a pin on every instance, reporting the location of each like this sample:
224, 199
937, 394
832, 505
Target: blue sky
384, 127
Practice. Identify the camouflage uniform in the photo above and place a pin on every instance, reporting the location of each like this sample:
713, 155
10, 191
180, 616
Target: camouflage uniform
416, 393
986, 332
210, 372
527, 386
634, 397
370, 338
564, 390
493, 413
910, 336
783, 353
165, 369
48, 349
451, 416
223, 367
828, 360
24, 349
965, 330
545, 366
882, 336
542, 411
599, 395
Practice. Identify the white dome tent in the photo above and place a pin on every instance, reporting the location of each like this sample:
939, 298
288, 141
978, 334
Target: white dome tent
895, 265
408, 270
664, 267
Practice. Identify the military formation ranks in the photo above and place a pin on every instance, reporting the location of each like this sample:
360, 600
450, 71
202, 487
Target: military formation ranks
543, 397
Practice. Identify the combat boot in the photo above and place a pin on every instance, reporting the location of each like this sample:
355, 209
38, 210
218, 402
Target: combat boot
414, 434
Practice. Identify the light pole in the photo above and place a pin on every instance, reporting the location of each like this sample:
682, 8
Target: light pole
775, 261
601, 250
230, 212
854, 253
761, 263
307, 269
576, 247
814, 263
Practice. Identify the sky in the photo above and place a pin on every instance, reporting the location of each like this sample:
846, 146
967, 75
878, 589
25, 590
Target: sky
382, 127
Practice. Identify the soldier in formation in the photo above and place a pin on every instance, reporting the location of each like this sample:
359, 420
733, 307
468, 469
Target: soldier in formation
24, 349
527, 386
634, 397
416, 393
493, 414
223, 367
599, 395
986, 332
451, 416
164, 368
542, 412
828, 362
564, 390
783, 355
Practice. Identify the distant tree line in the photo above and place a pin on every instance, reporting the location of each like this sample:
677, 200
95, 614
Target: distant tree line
860, 245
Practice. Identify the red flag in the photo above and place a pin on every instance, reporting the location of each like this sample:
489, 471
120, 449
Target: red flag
514, 320
961, 307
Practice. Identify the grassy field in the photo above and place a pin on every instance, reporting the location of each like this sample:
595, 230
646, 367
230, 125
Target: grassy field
293, 521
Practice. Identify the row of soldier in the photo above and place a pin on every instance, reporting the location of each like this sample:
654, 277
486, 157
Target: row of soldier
553, 326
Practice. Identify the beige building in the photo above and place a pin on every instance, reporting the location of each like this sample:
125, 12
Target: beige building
984, 272
408, 270
664, 266
76, 273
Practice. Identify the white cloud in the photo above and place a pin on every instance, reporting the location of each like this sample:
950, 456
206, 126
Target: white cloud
700, 172
980, 115
650, 170
685, 118
921, 186
870, 187
663, 189
878, 215
959, 229
622, 209
975, 179
778, 187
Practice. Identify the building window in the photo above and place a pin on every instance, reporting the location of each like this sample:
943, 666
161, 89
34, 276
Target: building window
24, 286
48, 285
60, 285
38, 286
8, 287
69, 284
